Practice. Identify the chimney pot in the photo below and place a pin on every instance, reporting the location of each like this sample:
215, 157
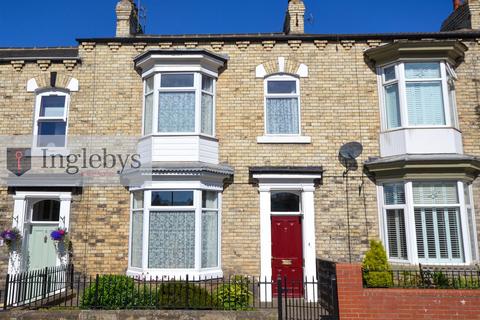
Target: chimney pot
456, 4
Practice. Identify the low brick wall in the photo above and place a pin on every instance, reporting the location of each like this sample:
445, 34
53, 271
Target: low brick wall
356, 302
139, 314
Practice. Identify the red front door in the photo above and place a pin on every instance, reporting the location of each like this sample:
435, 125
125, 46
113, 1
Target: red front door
287, 253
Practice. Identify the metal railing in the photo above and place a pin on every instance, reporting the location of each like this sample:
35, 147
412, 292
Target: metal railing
423, 278
63, 288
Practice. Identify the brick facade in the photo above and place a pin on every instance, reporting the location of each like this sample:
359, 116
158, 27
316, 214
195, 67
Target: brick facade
339, 103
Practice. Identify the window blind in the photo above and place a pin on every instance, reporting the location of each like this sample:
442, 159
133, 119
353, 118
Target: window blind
394, 194
425, 103
397, 241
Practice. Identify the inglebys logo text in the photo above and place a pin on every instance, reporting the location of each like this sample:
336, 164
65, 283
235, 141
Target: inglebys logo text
72, 163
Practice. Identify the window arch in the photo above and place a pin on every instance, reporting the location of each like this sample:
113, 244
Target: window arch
46, 211
51, 113
282, 105
282, 201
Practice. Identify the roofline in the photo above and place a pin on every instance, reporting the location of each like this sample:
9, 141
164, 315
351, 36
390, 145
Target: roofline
473, 34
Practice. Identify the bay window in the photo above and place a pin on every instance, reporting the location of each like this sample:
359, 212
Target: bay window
418, 94
179, 103
176, 233
428, 222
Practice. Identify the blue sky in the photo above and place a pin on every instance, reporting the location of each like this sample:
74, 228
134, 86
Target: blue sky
60, 22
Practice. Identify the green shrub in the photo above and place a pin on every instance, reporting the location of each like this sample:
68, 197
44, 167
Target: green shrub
113, 292
378, 273
234, 295
467, 282
176, 295
440, 280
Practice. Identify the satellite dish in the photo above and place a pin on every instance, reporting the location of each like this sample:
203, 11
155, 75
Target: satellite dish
351, 150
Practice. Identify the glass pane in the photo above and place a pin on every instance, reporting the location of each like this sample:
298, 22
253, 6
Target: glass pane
176, 112
420, 233
425, 103
282, 116
210, 199
466, 193
452, 102
137, 200
422, 70
149, 83
439, 237
52, 106
397, 241
51, 133
171, 243
394, 193
285, 202
207, 84
46, 210
392, 106
209, 239
148, 113
137, 239
472, 228
207, 114
172, 198
435, 193
389, 73
282, 87
176, 80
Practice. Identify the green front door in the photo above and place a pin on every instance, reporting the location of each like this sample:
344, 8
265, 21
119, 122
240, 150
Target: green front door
41, 248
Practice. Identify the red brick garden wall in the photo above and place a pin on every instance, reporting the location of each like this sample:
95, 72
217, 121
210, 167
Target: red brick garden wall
356, 302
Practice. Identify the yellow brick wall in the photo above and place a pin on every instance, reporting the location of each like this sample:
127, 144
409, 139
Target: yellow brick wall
339, 103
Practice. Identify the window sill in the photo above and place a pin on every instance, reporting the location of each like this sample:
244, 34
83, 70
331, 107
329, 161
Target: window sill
166, 274
284, 140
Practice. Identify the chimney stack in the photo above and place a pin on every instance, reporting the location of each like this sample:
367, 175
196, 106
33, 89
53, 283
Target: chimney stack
295, 17
127, 19
465, 16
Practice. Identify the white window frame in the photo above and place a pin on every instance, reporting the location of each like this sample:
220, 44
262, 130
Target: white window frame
38, 118
410, 230
446, 72
197, 271
197, 88
282, 77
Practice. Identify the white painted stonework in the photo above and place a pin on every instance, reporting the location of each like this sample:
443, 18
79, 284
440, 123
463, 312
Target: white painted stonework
303, 183
420, 141
179, 148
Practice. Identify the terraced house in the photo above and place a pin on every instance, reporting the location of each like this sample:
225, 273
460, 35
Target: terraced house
236, 139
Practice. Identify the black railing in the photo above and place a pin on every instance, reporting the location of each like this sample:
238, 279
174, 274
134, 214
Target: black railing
294, 300
27, 287
423, 278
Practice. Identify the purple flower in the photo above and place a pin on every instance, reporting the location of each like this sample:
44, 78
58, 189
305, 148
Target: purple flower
57, 235
9, 235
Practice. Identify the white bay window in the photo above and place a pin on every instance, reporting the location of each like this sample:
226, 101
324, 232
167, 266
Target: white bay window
428, 222
175, 233
418, 94
179, 103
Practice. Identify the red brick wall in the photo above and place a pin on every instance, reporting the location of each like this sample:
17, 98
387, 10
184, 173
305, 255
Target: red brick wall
356, 302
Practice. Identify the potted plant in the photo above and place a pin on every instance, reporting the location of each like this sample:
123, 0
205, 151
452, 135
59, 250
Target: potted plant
11, 237
61, 240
